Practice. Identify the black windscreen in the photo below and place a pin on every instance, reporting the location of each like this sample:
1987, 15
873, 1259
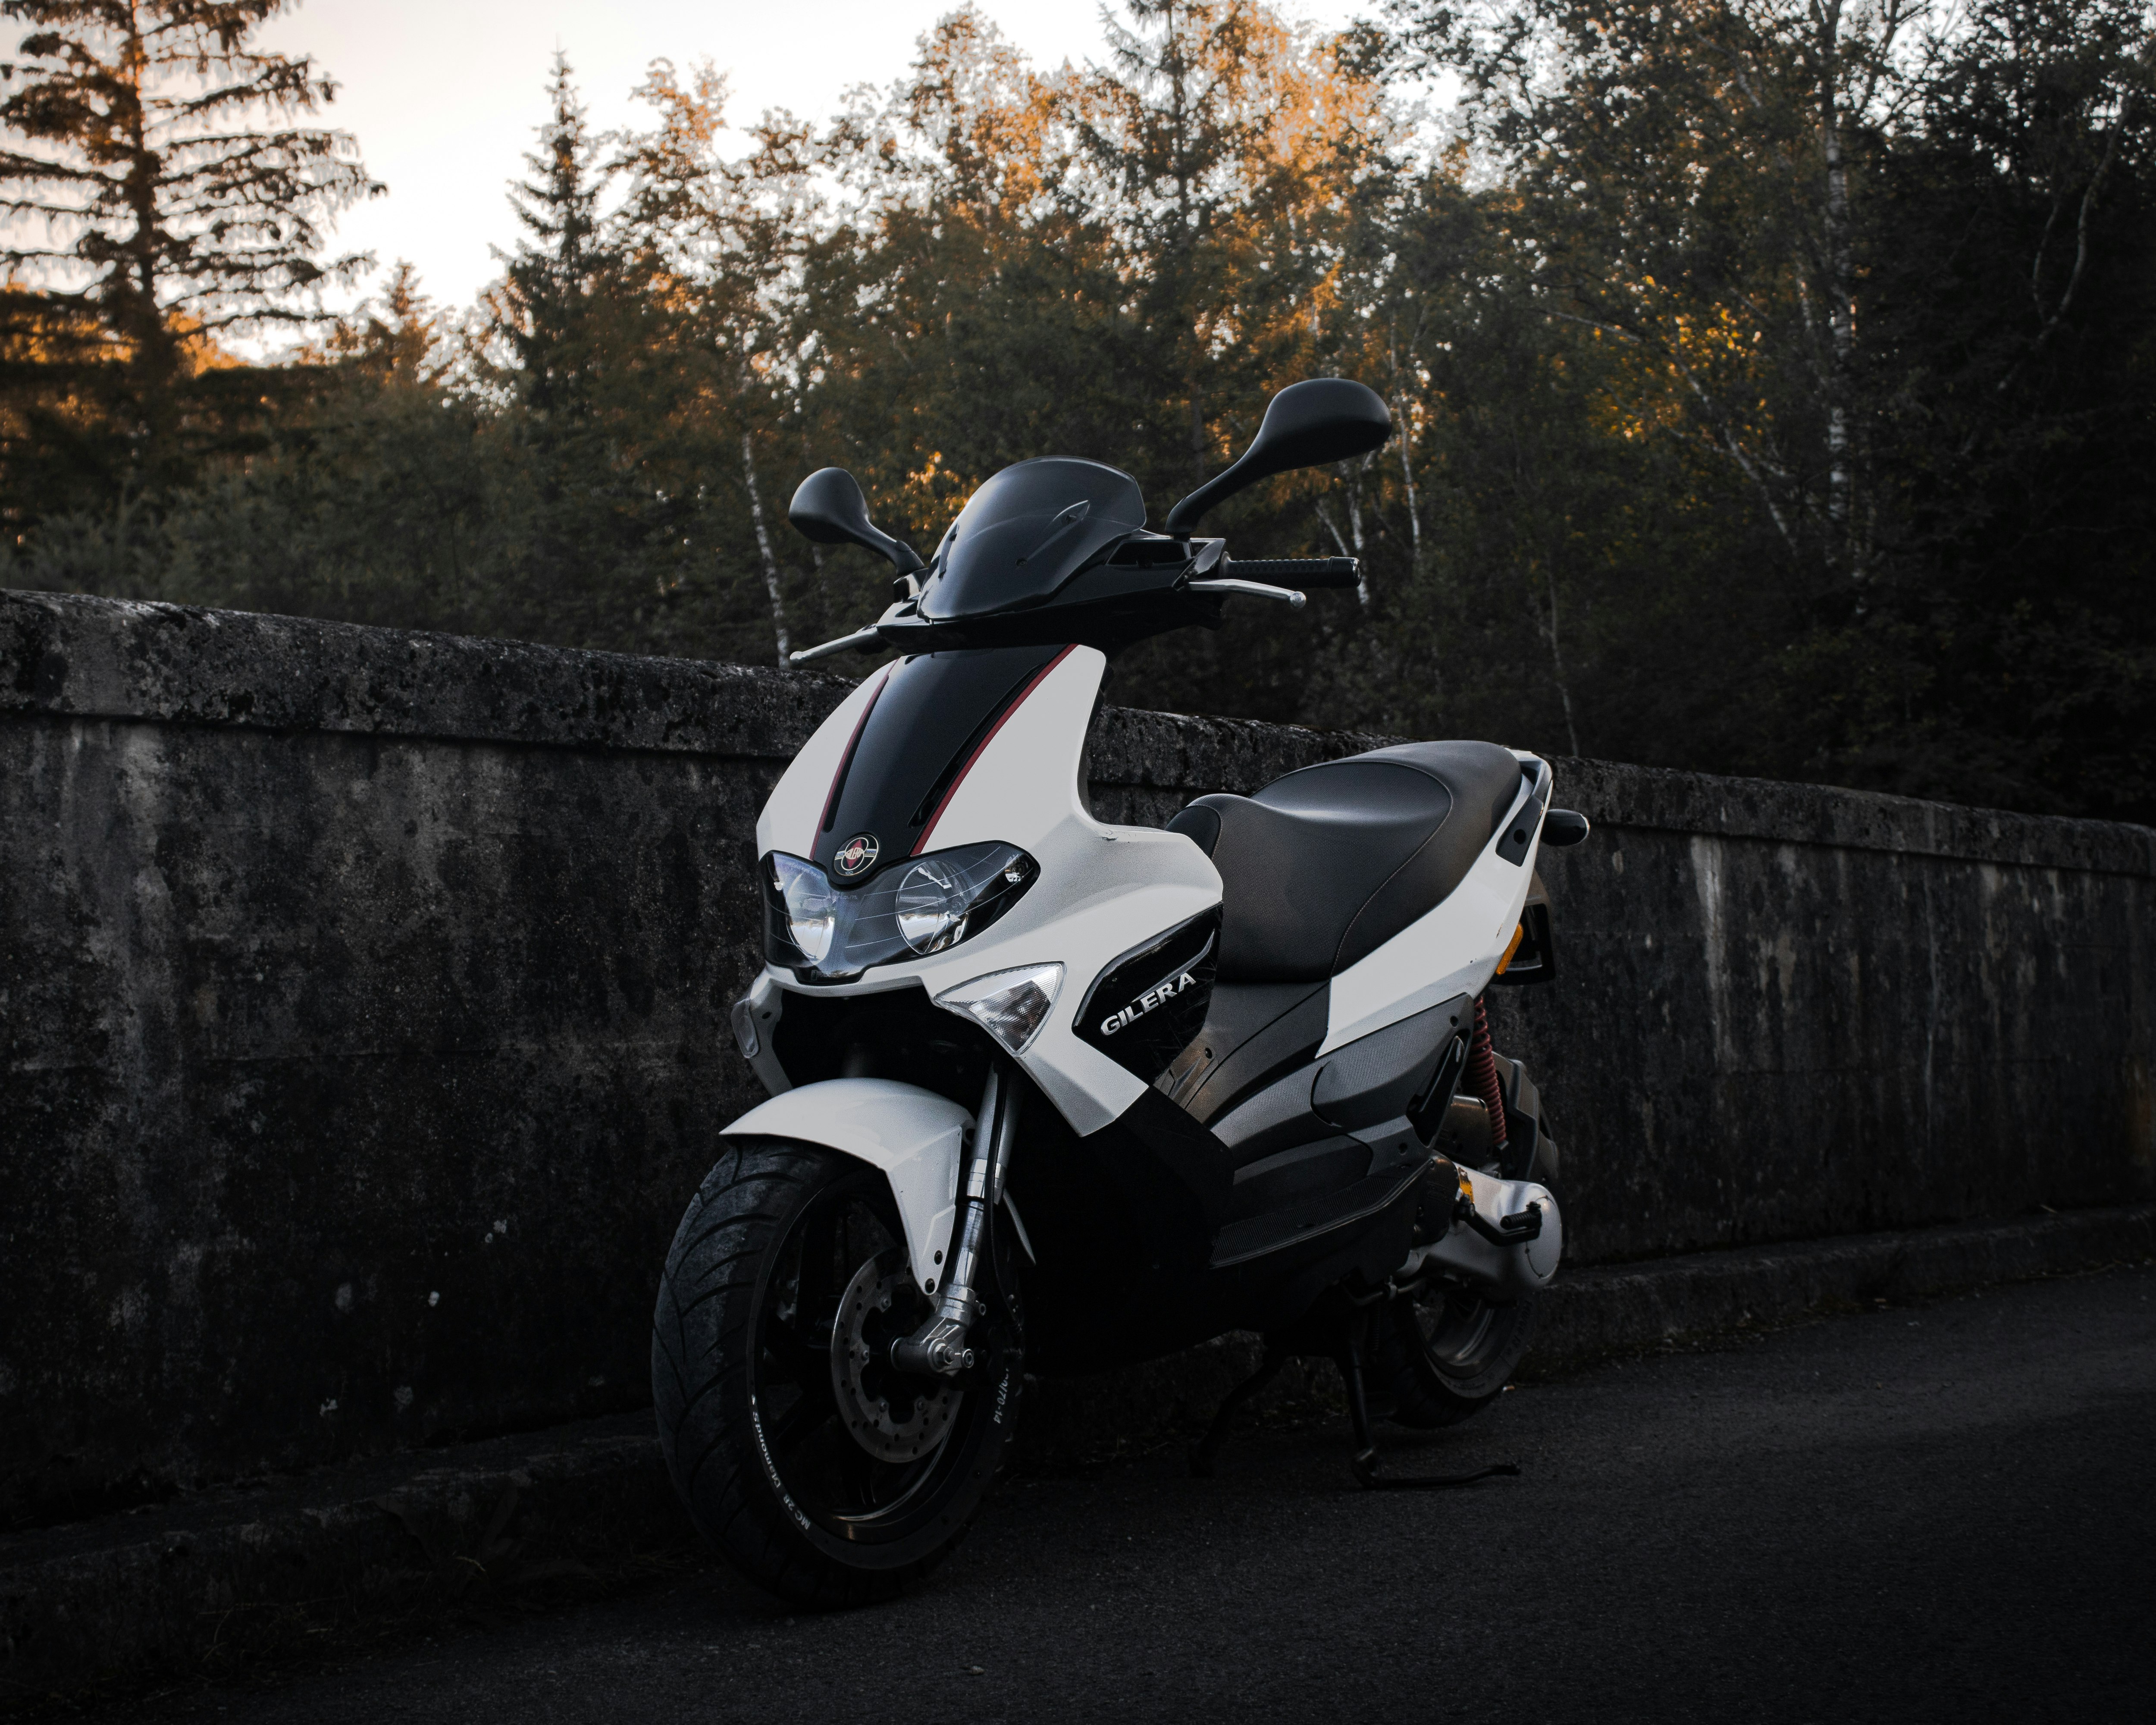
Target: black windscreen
1027, 530
933, 711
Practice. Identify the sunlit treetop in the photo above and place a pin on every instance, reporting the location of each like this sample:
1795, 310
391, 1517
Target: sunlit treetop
150, 171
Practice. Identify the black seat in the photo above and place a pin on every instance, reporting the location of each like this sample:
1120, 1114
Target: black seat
1323, 866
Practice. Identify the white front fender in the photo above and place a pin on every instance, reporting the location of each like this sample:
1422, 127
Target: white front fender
915, 1137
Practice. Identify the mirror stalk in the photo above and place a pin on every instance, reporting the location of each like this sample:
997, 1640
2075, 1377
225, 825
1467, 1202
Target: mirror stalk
1307, 425
829, 508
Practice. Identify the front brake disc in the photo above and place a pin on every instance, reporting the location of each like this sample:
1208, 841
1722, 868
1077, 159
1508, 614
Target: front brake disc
894, 1416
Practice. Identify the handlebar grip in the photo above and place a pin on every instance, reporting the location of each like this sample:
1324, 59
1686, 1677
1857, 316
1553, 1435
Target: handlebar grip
1295, 572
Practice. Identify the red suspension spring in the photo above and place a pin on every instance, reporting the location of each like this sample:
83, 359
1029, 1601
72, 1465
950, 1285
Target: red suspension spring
1482, 1076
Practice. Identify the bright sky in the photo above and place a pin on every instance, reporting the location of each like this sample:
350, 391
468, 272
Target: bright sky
444, 95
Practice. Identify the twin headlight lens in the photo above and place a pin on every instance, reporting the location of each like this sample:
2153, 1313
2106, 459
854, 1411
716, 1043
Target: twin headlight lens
910, 910
932, 906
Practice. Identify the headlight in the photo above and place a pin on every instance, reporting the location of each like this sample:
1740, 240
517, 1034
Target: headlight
1011, 1005
808, 905
932, 912
824, 932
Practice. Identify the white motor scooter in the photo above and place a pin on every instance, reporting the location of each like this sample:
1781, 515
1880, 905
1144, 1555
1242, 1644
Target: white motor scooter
1051, 1095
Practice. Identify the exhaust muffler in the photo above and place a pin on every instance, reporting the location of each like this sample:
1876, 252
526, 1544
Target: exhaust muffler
1503, 1238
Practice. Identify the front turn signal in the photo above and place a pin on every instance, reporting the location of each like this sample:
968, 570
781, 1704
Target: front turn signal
1011, 1005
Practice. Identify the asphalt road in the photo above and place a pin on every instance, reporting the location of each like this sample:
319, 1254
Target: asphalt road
1938, 1512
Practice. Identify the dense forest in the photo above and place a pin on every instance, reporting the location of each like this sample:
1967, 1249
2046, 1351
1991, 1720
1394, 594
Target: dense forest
1773, 379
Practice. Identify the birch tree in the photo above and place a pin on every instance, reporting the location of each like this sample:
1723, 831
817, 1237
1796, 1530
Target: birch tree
720, 244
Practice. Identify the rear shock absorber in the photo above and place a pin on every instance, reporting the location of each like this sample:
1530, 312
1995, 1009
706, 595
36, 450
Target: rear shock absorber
1482, 1077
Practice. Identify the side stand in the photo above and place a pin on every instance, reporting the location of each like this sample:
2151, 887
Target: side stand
1365, 1463
1349, 1343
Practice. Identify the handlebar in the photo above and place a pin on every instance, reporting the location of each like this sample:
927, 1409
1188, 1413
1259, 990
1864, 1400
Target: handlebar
1296, 572
1257, 578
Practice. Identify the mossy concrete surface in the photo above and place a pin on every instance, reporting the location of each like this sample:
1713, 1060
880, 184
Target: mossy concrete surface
363, 1020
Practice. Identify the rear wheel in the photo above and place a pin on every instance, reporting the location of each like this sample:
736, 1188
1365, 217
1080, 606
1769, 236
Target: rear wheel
1468, 1346
813, 1466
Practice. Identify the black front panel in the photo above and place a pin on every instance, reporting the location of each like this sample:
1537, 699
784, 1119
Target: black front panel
1253, 1033
1123, 1220
895, 1034
1148, 1004
1150, 1239
932, 714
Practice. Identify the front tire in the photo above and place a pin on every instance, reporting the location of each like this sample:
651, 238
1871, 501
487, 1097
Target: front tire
815, 1470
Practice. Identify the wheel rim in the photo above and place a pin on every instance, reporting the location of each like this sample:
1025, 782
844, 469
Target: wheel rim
865, 1472
1466, 1336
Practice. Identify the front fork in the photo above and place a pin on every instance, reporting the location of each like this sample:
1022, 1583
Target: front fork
939, 1346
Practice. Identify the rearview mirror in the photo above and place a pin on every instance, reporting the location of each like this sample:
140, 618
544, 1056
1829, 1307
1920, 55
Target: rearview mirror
1307, 424
830, 509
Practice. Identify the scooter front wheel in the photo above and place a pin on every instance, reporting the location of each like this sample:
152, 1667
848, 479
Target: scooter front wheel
812, 1464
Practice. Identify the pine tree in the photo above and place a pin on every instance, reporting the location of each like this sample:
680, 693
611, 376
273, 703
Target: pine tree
55, 389
550, 294
578, 353
148, 193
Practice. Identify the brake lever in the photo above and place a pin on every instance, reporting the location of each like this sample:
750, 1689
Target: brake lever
860, 638
866, 639
1255, 589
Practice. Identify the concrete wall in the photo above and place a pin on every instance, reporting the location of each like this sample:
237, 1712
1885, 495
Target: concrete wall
362, 1021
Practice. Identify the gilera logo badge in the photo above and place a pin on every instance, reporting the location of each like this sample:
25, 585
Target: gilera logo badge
1158, 995
857, 855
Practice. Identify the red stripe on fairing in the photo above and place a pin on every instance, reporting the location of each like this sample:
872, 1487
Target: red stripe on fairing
846, 760
1039, 676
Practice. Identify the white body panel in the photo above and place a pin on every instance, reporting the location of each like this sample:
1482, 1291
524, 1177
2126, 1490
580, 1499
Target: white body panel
1103, 890
914, 1136
1453, 950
